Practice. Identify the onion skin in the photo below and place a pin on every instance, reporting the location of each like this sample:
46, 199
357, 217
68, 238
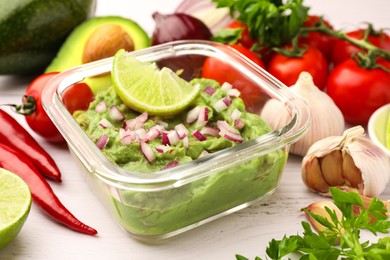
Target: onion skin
178, 26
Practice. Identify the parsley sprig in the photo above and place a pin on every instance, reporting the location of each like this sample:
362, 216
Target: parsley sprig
341, 238
273, 22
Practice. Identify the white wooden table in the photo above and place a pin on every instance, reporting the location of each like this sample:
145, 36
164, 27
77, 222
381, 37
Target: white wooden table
246, 232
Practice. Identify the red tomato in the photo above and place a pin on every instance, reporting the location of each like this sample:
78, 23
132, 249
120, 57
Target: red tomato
358, 92
343, 50
223, 72
321, 41
38, 120
77, 97
246, 40
287, 69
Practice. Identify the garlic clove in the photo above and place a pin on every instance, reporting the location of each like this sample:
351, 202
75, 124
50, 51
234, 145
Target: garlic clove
315, 180
351, 160
373, 164
326, 118
331, 167
319, 208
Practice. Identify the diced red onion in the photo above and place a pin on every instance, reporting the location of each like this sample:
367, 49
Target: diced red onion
235, 114
171, 165
193, 114
152, 133
142, 118
234, 92
226, 86
126, 136
203, 117
147, 152
164, 138
222, 104
102, 142
140, 133
224, 126
105, 123
115, 114
209, 130
209, 90
186, 142
181, 130
101, 107
238, 123
173, 137
162, 148
198, 135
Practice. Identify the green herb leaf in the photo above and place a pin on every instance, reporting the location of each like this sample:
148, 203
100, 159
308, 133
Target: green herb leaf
228, 35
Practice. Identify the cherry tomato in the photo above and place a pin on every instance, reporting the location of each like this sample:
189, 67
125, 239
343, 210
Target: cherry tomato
321, 41
245, 40
343, 50
358, 92
223, 72
77, 97
39, 121
287, 69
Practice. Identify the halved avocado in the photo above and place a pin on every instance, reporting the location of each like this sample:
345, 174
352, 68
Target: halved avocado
71, 52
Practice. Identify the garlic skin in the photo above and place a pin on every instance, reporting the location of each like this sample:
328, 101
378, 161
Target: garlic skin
326, 117
350, 160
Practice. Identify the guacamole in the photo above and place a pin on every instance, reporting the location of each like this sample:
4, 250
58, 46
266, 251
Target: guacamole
215, 120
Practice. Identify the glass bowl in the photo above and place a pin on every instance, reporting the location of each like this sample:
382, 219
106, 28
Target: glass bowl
158, 205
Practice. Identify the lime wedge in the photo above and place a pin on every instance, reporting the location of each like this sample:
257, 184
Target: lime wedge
388, 131
144, 87
15, 204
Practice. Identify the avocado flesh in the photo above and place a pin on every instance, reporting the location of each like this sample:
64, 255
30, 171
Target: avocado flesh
71, 52
32, 31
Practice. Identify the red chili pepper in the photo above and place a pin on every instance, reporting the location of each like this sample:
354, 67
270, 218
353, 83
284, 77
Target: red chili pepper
15, 136
41, 191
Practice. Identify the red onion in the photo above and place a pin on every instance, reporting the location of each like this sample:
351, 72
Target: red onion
209, 130
181, 130
140, 133
209, 90
206, 10
178, 26
153, 133
186, 142
229, 132
173, 137
235, 114
101, 107
105, 123
226, 86
126, 136
222, 104
203, 117
239, 123
171, 165
162, 148
147, 152
115, 114
233, 92
198, 135
203, 154
193, 115
102, 142
164, 138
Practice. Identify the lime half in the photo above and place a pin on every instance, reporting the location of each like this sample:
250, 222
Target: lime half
144, 87
15, 204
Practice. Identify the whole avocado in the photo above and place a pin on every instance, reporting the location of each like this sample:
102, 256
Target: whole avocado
32, 31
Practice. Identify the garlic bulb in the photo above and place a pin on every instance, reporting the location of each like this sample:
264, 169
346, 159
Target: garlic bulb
350, 160
326, 117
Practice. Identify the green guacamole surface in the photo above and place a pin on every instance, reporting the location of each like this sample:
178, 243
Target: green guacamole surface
160, 212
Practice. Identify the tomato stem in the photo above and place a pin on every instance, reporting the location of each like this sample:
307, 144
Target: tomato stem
367, 60
27, 107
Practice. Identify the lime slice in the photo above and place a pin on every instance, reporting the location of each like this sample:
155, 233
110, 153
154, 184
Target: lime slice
15, 204
388, 131
144, 87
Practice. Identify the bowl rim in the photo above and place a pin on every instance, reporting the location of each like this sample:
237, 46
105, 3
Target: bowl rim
372, 127
94, 161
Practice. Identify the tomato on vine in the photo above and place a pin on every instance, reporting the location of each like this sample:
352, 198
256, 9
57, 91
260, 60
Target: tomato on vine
343, 50
287, 69
357, 91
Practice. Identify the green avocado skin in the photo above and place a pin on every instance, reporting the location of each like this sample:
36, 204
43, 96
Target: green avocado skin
32, 31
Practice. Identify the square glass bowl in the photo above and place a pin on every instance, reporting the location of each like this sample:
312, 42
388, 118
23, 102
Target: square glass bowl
157, 205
